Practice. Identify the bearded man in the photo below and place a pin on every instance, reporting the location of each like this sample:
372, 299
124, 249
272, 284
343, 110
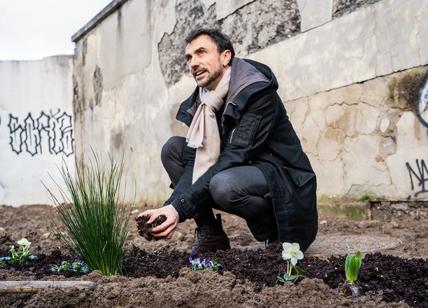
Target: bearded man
241, 154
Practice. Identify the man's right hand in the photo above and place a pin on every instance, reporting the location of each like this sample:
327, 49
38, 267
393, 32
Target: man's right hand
166, 229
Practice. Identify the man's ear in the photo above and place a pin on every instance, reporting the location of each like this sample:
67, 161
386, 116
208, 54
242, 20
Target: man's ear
226, 57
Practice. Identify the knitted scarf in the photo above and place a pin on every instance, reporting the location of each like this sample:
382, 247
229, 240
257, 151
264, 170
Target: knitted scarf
203, 134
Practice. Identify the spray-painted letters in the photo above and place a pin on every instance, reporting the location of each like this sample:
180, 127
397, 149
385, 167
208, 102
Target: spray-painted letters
56, 129
422, 106
419, 175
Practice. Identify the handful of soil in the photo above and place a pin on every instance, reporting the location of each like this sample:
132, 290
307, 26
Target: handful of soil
145, 229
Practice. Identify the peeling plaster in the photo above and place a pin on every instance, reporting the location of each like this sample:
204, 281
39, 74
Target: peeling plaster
248, 32
342, 7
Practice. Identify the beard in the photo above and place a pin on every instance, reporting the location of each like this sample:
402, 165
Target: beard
210, 79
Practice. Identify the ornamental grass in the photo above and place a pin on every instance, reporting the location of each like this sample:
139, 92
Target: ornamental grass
95, 220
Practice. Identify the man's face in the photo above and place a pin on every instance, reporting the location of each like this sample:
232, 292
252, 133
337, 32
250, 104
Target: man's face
206, 64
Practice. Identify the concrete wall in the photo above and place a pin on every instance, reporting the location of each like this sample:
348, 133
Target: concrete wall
350, 74
36, 126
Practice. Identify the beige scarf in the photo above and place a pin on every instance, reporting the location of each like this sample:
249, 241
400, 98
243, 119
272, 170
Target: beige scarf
203, 134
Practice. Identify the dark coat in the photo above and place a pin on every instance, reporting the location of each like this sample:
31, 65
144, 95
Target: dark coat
255, 130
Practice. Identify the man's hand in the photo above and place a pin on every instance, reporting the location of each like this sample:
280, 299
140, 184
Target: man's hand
166, 229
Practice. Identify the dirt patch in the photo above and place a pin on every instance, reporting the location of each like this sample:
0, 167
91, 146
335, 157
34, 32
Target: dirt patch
199, 289
404, 89
408, 281
157, 272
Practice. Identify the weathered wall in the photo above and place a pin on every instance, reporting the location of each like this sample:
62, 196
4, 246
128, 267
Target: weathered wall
349, 73
36, 127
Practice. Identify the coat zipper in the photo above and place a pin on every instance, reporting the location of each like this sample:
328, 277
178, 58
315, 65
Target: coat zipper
231, 135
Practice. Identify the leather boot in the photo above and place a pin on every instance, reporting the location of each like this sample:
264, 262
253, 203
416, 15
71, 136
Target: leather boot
210, 237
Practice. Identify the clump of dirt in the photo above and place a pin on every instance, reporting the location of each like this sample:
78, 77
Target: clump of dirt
145, 229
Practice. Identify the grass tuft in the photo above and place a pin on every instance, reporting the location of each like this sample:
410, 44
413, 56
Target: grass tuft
96, 222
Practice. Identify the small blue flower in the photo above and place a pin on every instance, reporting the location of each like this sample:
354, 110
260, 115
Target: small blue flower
4, 259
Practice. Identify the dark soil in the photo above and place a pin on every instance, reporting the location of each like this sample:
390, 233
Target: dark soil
145, 229
41, 266
393, 278
158, 273
162, 263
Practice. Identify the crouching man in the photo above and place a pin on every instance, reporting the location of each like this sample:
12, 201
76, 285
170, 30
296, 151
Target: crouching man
241, 154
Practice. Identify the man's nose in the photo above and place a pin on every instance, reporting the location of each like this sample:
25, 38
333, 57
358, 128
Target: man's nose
193, 64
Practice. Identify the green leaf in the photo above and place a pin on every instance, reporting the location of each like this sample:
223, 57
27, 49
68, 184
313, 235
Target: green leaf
352, 266
287, 278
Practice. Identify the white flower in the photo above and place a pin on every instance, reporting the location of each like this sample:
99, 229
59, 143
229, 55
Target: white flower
291, 252
23, 242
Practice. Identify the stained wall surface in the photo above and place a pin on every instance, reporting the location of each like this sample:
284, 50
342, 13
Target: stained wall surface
36, 127
351, 76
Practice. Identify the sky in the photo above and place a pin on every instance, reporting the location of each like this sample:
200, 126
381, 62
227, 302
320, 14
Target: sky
34, 29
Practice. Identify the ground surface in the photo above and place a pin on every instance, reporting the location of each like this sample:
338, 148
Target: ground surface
246, 279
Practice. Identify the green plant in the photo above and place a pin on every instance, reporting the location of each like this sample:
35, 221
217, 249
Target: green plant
96, 222
368, 196
291, 254
21, 254
205, 263
78, 267
352, 267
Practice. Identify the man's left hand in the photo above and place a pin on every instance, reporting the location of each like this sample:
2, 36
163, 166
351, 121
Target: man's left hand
166, 229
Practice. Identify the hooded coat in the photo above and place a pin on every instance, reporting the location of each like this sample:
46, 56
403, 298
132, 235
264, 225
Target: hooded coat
255, 130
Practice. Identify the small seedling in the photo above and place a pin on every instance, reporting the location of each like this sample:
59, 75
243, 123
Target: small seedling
21, 254
198, 264
291, 254
77, 267
352, 267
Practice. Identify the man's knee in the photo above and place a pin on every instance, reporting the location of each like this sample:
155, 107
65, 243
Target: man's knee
222, 191
172, 149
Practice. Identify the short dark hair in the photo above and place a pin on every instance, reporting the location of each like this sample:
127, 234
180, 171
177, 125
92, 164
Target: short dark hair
220, 39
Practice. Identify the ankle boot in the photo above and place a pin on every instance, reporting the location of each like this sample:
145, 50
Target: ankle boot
210, 237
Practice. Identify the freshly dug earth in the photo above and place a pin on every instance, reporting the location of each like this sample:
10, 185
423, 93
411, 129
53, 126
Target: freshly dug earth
157, 273
408, 281
145, 229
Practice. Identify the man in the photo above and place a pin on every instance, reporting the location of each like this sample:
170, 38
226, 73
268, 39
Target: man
242, 155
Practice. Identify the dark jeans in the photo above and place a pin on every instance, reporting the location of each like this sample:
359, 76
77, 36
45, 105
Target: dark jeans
242, 190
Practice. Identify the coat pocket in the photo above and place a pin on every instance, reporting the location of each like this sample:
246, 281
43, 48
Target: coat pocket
243, 134
299, 177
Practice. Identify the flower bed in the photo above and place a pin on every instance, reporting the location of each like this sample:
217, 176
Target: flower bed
408, 281
157, 274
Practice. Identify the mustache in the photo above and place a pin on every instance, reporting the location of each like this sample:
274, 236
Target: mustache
197, 71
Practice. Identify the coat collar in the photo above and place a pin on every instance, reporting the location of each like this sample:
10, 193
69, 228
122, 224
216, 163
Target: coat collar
248, 77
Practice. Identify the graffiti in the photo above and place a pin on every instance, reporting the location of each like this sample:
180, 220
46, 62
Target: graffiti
420, 176
33, 134
422, 106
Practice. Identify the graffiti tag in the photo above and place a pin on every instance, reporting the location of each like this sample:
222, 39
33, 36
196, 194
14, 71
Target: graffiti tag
27, 135
422, 106
420, 175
